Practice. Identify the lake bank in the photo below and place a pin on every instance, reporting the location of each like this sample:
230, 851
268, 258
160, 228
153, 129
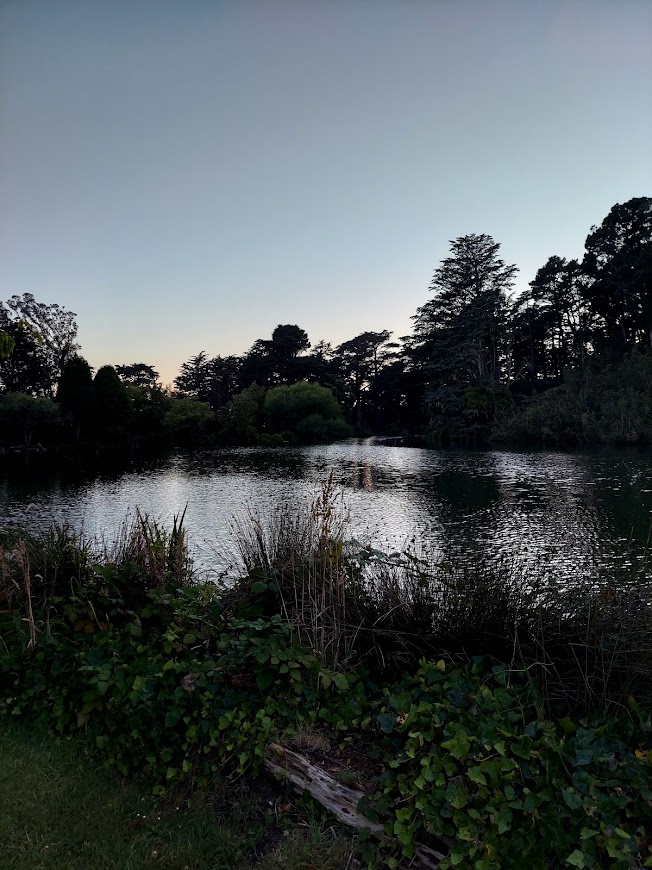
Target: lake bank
186, 682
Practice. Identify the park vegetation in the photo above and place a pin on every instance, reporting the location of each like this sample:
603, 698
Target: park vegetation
567, 362
497, 719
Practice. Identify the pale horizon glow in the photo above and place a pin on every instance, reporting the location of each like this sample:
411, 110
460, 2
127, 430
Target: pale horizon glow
187, 175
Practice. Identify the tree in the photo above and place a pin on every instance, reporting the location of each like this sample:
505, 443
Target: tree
26, 369
53, 326
7, 344
618, 262
241, 419
76, 392
360, 360
187, 419
288, 341
138, 375
276, 361
27, 414
213, 381
461, 332
112, 400
223, 380
193, 380
551, 324
258, 365
149, 406
461, 335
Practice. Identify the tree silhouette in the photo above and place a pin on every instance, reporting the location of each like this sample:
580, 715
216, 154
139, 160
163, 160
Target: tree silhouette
53, 326
138, 375
76, 393
618, 260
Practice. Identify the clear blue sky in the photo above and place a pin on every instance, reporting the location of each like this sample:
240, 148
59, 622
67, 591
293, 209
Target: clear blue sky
187, 174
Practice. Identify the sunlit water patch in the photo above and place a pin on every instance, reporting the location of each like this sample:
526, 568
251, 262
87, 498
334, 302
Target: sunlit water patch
571, 513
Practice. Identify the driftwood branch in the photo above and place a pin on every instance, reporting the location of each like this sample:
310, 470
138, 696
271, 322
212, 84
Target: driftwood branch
339, 799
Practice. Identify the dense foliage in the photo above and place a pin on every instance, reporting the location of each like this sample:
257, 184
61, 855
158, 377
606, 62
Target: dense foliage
186, 681
480, 364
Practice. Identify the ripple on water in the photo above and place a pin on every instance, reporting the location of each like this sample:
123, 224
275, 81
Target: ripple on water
574, 512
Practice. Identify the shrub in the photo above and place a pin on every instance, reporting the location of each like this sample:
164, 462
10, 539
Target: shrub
22, 417
187, 419
309, 410
187, 681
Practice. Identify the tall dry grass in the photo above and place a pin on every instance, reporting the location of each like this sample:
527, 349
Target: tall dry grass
586, 645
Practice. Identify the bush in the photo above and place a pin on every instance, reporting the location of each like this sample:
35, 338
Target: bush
605, 403
315, 429
187, 419
23, 417
309, 410
187, 682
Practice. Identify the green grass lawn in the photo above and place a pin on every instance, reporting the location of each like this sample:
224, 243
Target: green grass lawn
61, 810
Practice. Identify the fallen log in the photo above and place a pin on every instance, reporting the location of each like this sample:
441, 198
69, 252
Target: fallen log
339, 799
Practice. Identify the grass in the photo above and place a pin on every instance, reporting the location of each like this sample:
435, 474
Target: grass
61, 810
126, 643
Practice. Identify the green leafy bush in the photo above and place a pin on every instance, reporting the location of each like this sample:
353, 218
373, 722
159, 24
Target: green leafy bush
186, 681
309, 410
475, 768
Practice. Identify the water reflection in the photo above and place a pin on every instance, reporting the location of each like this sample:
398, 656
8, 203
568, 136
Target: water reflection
573, 512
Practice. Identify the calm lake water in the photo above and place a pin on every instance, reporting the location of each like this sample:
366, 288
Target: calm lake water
576, 513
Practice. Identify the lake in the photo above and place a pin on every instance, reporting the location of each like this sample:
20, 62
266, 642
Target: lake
575, 513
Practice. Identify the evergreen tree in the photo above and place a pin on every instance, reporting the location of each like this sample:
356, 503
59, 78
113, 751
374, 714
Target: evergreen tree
138, 375
360, 361
618, 262
193, 380
461, 335
551, 324
76, 393
113, 402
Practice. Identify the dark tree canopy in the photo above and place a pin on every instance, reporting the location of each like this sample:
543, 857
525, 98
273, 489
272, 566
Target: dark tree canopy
52, 325
461, 331
24, 416
26, 369
360, 361
138, 375
112, 400
476, 352
618, 262
76, 392
193, 379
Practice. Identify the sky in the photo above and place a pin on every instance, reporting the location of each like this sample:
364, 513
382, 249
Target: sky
187, 174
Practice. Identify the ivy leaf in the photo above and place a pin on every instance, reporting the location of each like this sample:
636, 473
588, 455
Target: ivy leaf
477, 776
458, 746
386, 722
567, 725
264, 680
573, 801
576, 859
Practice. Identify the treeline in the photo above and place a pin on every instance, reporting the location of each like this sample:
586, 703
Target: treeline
567, 362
